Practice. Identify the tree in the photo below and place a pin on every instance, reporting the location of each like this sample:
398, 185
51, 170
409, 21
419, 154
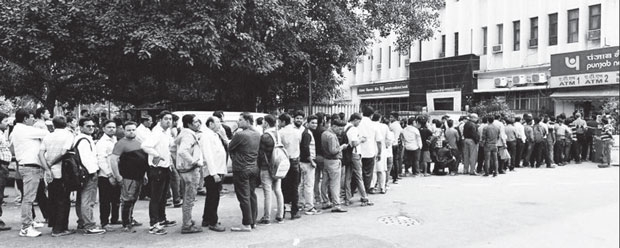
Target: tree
235, 53
491, 107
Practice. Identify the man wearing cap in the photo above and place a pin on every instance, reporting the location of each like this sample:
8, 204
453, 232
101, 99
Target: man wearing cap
470, 149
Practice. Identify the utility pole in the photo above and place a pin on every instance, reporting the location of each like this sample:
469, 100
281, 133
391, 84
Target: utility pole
309, 89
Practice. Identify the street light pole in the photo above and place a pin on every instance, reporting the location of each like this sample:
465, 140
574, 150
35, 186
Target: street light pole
309, 89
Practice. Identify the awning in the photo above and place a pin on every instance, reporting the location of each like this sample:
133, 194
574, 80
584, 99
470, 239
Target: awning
590, 95
522, 88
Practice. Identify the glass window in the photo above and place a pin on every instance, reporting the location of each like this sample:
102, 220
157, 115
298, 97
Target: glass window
534, 28
500, 34
443, 44
595, 17
456, 44
573, 26
517, 35
553, 29
484, 40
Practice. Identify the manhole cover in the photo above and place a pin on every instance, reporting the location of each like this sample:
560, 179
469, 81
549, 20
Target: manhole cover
401, 220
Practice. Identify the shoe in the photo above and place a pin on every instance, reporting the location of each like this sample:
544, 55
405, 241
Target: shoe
191, 229
94, 231
326, 206
177, 205
383, 191
551, 166
452, 174
157, 229
366, 202
128, 229
116, 222
394, 181
29, 232
264, 221
36, 224
494, 174
502, 172
203, 193
241, 228
168, 223
296, 216
3, 226
63, 233
339, 210
135, 223
279, 220
485, 175
253, 226
313, 211
372, 191
217, 228
473, 174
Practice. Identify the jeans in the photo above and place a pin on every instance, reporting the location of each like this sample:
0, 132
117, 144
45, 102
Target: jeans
368, 168
245, 183
31, 177
59, 206
109, 201
412, 160
470, 153
480, 166
212, 200
86, 200
397, 162
130, 191
271, 186
354, 179
558, 151
607, 151
190, 181
318, 172
580, 146
549, 152
306, 186
290, 185
519, 153
527, 159
4, 175
176, 185
331, 173
539, 148
390, 164
159, 179
490, 159
512, 150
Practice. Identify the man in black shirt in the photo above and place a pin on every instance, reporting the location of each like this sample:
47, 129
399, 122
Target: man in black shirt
470, 149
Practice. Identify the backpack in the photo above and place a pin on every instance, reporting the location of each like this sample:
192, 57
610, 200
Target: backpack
280, 164
347, 153
74, 174
538, 134
580, 129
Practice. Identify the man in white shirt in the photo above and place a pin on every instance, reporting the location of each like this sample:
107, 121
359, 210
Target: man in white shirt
26, 141
396, 147
520, 140
215, 159
354, 170
157, 146
53, 148
412, 146
291, 139
109, 188
144, 130
87, 196
370, 147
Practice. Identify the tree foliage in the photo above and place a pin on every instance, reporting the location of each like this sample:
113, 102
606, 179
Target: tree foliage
233, 53
491, 107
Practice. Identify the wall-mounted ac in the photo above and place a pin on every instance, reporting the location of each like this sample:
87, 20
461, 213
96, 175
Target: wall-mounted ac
442, 54
501, 82
594, 34
498, 48
519, 80
539, 78
379, 67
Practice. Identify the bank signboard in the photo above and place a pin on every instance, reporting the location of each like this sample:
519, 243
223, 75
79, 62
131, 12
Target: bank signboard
391, 87
585, 68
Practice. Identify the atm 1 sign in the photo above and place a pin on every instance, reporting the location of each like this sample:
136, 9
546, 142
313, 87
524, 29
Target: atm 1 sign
585, 68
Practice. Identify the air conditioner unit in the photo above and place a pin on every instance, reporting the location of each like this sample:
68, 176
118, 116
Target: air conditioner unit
501, 82
520, 80
539, 78
533, 43
594, 34
379, 67
498, 48
442, 54
407, 62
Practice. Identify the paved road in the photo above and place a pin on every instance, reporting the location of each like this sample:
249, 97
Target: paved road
572, 206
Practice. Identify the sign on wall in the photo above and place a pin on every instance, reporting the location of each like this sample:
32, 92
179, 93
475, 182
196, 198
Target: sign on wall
585, 68
391, 87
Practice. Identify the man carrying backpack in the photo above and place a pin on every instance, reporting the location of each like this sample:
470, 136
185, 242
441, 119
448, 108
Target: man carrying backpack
540, 134
53, 147
87, 195
270, 184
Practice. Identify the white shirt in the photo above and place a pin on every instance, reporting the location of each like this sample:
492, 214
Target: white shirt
390, 142
88, 154
369, 130
26, 142
520, 131
291, 139
396, 129
104, 148
412, 139
158, 145
142, 133
353, 135
56, 143
213, 153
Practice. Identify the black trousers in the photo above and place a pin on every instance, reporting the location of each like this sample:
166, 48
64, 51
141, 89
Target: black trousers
518, 154
368, 167
480, 166
109, 201
159, 178
212, 200
4, 175
59, 206
245, 182
290, 185
397, 161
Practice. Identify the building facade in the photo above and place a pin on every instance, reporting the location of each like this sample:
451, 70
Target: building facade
513, 42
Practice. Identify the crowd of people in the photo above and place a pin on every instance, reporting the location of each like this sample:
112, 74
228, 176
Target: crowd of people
331, 158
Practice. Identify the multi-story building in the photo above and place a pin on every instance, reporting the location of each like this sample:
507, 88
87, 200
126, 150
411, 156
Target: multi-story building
511, 50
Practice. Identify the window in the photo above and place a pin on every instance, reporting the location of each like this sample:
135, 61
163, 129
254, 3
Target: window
399, 59
443, 45
517, 35
553, 29
380, 55
573, 26
371, 59
456, 44
595, 17
500, 34
445, 104
484, 40
533, 31
389, 57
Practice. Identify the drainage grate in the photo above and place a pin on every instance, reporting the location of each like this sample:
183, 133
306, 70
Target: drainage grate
401, 220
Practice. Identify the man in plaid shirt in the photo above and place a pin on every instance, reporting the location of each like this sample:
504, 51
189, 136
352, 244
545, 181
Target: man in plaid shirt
5, 159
